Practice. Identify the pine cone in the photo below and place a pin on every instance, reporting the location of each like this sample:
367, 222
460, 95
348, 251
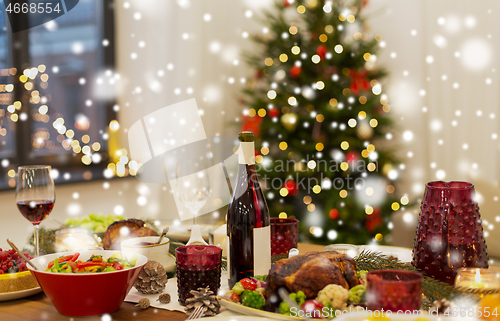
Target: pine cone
143, 303
164, 298
152, 278
203, 297
441, 306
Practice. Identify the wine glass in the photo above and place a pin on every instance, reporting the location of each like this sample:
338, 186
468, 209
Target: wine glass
35, 195
193, 189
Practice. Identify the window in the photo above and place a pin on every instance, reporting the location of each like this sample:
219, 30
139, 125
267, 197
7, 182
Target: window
56, 93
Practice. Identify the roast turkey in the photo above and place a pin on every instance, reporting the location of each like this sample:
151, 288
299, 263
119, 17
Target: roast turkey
310, 273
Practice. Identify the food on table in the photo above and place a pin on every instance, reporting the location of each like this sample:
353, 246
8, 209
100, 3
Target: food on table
310, 273
298, 297
248, 220
334, 294
94, 222
14, 276
252, 299
96, 264
313, 308
114, 234
152, 279
362, 276
250, 292
203, 297
357, 293
145, 243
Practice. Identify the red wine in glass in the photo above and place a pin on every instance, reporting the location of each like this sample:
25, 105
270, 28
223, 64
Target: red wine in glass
35, 211
35, 195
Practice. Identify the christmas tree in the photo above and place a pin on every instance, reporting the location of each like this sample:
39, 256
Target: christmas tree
317, 108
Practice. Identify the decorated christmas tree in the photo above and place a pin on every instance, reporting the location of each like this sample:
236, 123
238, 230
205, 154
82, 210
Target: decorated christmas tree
321, 120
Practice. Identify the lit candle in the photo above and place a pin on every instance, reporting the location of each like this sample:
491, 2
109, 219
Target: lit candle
477, 278
73, 239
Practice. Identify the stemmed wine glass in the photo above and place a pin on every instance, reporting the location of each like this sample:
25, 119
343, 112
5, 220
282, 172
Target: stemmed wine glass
35, 195
193, 189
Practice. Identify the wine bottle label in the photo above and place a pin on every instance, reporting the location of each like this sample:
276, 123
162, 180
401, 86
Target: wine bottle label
228, 256
261, 250
246, 153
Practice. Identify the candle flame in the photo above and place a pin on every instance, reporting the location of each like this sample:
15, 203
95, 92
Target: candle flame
477, 277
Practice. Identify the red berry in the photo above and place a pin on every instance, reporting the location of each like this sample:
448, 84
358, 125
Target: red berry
1, 272
4, 267
10, 264
11, 252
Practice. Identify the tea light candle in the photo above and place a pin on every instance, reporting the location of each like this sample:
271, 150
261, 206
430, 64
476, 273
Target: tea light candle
477, 278
73, 239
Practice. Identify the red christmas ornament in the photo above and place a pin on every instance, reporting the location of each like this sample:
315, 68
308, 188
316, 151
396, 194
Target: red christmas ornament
321, 50
258, 74
274, 112
351, 157
295, 71
291, 187
286, 3
359, 81
334, 213
251, 124
374, 220
365, 2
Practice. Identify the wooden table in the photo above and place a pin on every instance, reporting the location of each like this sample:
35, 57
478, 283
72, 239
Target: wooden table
38, 307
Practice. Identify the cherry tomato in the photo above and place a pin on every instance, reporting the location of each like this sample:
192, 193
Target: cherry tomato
248, 284
313, 307
235, 298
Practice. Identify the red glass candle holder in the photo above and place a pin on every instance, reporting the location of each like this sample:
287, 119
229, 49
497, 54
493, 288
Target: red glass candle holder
284, 235
394, 290
449, 234
198, 266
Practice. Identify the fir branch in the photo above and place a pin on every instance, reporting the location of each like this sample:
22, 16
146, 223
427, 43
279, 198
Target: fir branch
432, 289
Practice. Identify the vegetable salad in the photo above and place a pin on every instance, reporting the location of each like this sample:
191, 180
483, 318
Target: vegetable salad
96, 264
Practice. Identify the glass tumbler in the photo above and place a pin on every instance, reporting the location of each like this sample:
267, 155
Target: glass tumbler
198, 266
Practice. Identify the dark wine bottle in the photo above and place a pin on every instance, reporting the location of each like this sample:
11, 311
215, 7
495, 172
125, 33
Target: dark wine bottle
248, 222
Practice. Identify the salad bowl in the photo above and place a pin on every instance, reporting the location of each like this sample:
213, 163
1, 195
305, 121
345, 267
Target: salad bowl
87, 294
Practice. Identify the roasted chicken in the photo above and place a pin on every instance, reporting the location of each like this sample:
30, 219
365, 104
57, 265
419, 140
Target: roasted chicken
122, 230
310, 273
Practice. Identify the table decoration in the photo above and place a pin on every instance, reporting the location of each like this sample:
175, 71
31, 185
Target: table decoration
284, 235
152, 278
74, 239
198, 266
394, 290
477, 278
449, 235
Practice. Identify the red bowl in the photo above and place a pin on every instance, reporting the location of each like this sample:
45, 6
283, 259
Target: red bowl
86, 294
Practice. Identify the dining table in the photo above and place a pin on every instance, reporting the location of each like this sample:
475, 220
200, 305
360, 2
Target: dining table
38, 307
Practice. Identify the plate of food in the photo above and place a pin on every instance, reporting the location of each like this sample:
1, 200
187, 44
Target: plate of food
316, 281
16, 281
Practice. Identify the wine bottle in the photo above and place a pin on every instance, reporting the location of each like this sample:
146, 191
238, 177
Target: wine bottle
248, 221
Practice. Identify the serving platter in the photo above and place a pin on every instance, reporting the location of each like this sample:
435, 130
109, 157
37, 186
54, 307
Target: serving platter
19, 294
235, 307
402, 253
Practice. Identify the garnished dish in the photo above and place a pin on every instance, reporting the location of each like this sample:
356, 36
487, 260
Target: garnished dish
95, 264
320, 283
14, 276
85, 281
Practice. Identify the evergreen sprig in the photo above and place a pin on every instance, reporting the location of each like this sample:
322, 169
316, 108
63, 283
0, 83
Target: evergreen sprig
432, 289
